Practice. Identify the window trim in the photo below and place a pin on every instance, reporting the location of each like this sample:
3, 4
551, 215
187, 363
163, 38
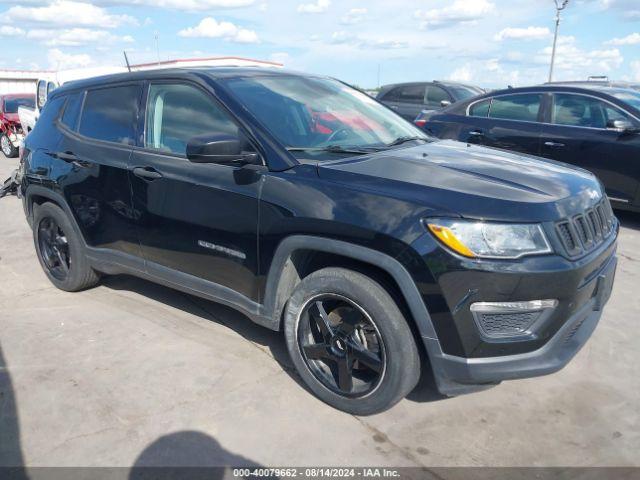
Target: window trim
102, 87
142, 119
546, 116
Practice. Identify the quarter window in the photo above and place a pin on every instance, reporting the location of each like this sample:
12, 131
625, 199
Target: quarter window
523, 107
583, 111
110, 114
72, 110
480, 109
177, 113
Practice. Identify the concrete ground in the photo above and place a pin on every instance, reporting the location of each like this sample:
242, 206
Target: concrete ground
131, 373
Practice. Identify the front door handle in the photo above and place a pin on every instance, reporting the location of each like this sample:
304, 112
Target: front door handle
554, 144
393, 107
476, 133
146, 173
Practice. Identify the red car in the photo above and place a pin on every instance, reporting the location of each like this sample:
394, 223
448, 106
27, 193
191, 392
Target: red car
11, 134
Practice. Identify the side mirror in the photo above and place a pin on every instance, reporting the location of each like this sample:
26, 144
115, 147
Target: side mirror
220, 148
621, 126
445, 103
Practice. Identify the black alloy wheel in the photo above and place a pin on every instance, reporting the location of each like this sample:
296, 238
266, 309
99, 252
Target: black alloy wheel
54, 248
341, 345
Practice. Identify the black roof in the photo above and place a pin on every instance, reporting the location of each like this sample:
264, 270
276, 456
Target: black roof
184, 72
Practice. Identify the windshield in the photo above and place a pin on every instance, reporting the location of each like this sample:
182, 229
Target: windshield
307, 113
628, 96
11, 104
462, 93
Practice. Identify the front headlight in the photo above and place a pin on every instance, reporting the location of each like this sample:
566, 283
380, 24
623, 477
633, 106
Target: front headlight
489, 240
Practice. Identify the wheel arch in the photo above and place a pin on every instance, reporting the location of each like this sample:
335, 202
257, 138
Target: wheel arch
299, 255
37, 195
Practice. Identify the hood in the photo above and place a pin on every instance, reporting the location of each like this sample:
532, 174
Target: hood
456, 176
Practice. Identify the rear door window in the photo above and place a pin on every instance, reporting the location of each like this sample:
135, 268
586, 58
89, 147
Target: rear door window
522, 107
110, 114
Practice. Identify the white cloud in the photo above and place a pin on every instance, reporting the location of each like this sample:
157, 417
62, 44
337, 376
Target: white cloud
461, 74
319, 6
195, 5
460, 11
59, 60
346, 38
9, 31
68, 13
353, 16
529, 33
209, 27
632, 39
575, 61
75, 37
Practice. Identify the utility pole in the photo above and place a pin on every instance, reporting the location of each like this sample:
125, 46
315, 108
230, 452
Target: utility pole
559, 8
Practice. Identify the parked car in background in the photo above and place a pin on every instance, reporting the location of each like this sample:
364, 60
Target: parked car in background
596, 82
297, 200
595, 127
409, 99
11, 133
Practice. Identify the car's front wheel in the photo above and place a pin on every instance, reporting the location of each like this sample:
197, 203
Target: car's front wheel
7, 147
350, 342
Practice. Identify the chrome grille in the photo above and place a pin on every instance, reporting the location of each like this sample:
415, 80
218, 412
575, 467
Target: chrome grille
582, 233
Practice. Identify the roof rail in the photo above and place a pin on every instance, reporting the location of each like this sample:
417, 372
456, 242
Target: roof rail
598, 78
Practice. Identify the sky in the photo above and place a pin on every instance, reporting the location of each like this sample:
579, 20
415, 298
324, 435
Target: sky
490, 43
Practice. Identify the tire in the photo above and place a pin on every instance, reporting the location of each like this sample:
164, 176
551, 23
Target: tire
60, 250
381, 349
9, 150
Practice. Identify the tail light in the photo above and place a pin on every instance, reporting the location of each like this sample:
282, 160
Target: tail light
419, 122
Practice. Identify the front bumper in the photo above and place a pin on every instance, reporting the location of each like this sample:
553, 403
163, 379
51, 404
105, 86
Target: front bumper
457, 375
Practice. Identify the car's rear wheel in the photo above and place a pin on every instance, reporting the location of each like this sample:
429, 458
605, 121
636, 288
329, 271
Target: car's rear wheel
7, 147
349, 341
60, 250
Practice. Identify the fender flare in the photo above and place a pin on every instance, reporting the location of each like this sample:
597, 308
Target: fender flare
277, 283
55, 197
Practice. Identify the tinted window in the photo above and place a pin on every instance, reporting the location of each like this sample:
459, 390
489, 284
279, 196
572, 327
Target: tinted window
480, 109
177, 113
72, 110
11, 104
630, 97
524, 107
391, 95
42, 131
583, 111
436, 95
411, 94
110, 114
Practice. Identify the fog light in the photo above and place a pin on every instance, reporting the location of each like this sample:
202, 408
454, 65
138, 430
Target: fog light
511, 320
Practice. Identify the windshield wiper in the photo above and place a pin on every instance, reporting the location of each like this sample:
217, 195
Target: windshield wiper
332, 149
401, 140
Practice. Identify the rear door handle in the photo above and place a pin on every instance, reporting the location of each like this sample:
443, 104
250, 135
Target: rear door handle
554, 144
476, 133
393, 107
146, 173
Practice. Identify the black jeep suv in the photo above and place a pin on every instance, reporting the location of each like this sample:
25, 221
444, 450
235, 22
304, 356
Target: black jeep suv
315, 210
